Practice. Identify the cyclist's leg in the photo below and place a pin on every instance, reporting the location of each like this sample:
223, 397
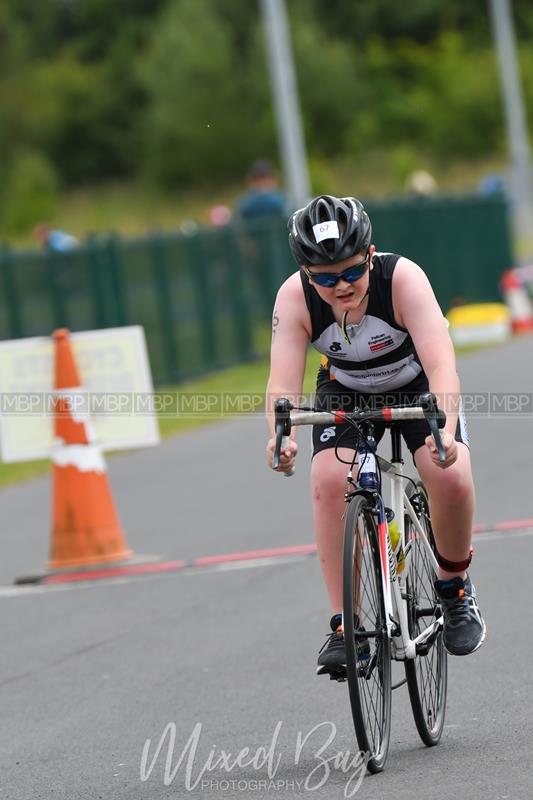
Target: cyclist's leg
451, 490
451, 502
328, 480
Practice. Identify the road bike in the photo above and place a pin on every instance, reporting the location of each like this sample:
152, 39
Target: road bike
390, 607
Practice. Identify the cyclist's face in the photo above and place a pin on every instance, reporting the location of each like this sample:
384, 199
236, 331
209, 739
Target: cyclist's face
347, 292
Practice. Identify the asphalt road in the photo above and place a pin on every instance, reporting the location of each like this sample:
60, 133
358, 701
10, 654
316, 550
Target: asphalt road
223, 659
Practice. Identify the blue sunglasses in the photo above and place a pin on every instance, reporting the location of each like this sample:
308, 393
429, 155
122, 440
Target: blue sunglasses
330, 279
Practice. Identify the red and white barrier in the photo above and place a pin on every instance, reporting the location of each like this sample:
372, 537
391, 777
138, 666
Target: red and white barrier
517, 300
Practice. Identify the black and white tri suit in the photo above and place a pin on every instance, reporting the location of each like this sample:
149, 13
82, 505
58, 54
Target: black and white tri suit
377, 365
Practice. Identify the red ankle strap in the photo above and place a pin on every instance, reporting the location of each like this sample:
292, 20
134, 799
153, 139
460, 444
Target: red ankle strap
454, 566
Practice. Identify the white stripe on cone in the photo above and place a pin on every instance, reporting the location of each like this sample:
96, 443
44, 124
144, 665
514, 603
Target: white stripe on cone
85, 457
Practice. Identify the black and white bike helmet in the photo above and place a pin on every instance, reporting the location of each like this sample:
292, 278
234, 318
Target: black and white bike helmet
329, 229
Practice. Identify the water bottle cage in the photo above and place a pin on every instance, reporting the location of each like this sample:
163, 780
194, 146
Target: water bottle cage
453, 566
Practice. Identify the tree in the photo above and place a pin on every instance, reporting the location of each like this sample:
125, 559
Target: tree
209, 109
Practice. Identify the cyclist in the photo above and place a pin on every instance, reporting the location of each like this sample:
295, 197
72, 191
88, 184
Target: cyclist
375, 319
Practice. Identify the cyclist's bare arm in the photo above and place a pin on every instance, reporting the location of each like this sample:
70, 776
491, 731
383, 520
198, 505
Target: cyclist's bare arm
291, 329
416, 308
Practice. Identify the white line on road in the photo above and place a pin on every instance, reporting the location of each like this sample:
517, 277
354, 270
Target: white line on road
7, 592
497, 536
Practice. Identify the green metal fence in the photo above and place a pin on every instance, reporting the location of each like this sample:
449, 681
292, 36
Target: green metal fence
462, 243
203, 297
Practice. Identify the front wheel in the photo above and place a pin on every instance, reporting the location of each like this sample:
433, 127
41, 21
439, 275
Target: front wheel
368, 650
427, 673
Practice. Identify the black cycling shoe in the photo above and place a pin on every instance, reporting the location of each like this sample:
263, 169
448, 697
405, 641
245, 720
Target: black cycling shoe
332, 655
464, 628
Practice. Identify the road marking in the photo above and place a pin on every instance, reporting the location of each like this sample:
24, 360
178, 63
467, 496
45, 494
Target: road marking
272, 552
134, 569
506, 525
256, 562
228, 562
45, 588
495, 536
113, 572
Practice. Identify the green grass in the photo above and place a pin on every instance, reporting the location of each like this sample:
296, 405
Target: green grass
22, 471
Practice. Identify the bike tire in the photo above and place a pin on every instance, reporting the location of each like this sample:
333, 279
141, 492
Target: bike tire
370, 684
426, 674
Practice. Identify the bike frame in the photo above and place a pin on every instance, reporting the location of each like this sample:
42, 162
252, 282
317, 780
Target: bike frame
394, 583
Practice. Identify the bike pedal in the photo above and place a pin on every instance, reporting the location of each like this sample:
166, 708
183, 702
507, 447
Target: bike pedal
340, 677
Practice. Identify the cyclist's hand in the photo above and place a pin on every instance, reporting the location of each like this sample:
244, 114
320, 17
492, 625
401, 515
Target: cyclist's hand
450, 448
288, 455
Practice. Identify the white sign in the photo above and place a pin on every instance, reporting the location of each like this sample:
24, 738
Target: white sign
326, 230
115, 373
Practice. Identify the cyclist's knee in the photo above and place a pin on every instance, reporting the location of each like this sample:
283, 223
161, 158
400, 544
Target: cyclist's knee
328, 478
452, 486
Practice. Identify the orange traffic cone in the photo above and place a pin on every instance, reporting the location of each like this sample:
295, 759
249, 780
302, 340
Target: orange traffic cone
85, 526
517, 300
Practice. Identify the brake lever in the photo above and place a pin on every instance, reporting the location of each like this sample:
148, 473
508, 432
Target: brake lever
436, 419
282, 411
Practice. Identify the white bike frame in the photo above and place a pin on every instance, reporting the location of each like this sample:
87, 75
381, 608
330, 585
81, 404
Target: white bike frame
394, 583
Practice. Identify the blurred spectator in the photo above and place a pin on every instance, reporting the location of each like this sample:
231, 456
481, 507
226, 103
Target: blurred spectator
57, 240
219, 215
263, 198
491, 184
421, 183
